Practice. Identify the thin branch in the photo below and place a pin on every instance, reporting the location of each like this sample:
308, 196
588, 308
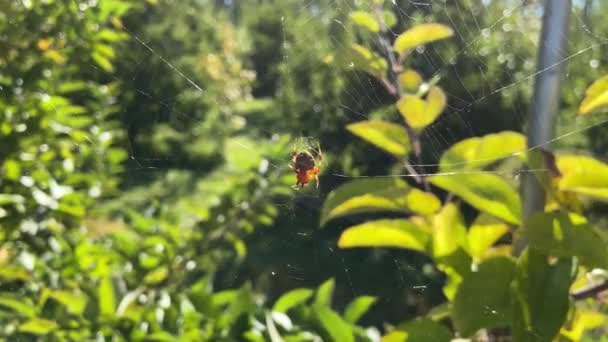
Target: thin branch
394, 87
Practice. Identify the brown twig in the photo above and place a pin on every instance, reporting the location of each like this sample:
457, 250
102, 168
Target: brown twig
394, 88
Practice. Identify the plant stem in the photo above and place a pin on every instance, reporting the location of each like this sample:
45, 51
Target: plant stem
394, 88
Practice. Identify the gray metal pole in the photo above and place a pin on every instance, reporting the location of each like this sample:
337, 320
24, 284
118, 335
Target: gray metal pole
545, 104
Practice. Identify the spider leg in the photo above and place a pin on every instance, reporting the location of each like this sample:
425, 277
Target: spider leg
320, 152
317, 180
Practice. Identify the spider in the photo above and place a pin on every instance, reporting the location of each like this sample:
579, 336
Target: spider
306, 164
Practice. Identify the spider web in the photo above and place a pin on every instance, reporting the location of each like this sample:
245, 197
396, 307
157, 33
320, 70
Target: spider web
519, 73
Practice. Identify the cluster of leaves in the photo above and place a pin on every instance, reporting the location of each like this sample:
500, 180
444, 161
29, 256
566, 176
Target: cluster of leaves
58, 152
486, 286
78, 262
163, 259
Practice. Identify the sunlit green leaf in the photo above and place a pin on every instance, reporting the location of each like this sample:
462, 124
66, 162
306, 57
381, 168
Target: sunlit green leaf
542, 296
596, 97
477, 152
449, 232
484, 298
583, 320
156, 276
385, 135
102, 61
357, 308
365, 20
75, 302
325, 293
292, 299
558, 235
398, 233
389, 17
419, 112
449, 242
377, 195
106, 297
486, 192
483, 236
70, 87
38, 326
410, 80
583, 175
112, 35
14, 272
335, 326
11, 169
360, 57
421, 202
420, 35
21, 306
161, 336
10, 199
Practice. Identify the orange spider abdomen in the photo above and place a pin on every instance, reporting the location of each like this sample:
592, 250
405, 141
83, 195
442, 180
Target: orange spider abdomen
304, 176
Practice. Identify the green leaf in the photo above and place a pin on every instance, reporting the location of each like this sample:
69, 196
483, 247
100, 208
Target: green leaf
389, 17
410, 80
335, 326
484, 297
377, 195
482, 236
558, 234
456, 267
75, 302
10, 199
421, 330
102, 61
486, 192
596, 97
357, 308
292, 299
583, 175
399, 233
38, 326
325, 292
106, 297
11, 169
542, 296
14, 272
161, 336
421, 202
365, 20
420, 35
419, 112
583, 320
449, 232
21, 306
157, 276
71, 86
359, 57
388, 136
478, 152
111, 35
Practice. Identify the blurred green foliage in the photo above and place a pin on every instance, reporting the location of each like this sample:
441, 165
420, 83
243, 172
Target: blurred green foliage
145, 194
